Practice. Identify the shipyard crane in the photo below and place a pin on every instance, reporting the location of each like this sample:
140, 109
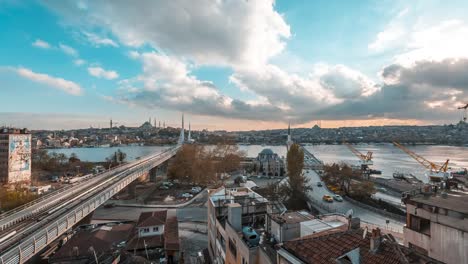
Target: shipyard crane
464, 108
365, 160
436, 172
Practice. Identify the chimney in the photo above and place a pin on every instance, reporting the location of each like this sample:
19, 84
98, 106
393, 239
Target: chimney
235, 216
375, 240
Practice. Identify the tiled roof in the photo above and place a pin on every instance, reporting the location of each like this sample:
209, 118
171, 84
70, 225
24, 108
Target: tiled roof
101, 239
171, 233
155, 218
327, 248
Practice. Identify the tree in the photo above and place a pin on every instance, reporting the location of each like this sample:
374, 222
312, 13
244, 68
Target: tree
193, 163
73, 158
117, 157
298, 185
228, 157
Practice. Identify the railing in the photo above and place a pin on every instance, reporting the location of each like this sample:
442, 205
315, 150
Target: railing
57, 223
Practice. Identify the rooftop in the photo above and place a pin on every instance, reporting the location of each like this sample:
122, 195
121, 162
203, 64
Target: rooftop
155, 218
267, 151
292, 217
350, 246
454, 200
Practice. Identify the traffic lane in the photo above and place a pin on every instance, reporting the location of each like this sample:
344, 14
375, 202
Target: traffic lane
342, 207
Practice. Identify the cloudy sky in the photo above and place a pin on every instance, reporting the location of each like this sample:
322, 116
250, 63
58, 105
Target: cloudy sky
232, 64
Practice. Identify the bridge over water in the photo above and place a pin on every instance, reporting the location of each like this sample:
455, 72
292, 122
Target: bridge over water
27, 230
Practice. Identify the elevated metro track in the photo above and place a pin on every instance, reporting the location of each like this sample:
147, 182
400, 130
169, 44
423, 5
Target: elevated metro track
27, 230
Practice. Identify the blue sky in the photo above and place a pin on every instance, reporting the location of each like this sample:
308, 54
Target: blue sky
232, 64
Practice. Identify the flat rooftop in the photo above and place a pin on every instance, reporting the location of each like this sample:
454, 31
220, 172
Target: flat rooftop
454, 201
292, 217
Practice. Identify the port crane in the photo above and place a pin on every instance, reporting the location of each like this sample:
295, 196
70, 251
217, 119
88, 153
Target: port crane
365, 160
464, 108
437, 172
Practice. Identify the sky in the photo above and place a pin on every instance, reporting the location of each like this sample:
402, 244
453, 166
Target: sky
232, 64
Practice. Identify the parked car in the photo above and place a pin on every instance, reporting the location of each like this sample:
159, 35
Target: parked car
319, 184
196, 189
186, 195
337, 198
327, 198
164, 187
167, 183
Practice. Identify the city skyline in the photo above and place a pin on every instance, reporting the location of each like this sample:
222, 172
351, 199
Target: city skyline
233, 65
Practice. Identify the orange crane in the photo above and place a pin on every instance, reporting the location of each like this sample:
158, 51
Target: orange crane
436, 172
365, 160
464, 111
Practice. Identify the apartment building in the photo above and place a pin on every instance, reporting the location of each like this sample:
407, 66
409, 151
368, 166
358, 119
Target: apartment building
437, 224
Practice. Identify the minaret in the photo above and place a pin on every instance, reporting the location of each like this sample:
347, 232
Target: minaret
189, 139
111, 123
154, 120
182, 132
149, 121
164, 124
289, 142
159, 124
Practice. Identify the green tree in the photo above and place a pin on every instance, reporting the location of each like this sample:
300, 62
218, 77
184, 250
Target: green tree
298, 185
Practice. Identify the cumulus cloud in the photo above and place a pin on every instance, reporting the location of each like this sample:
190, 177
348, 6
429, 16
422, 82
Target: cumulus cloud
167, 82
68, 50
98, 41
210, 32
41, 44
55, 82
435, 87
79, 62
102, 73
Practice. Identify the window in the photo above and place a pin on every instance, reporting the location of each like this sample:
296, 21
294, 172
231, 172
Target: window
233, 248
420, 225
155, 229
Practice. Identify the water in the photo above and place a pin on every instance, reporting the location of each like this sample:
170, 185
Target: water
387, 157
100, 154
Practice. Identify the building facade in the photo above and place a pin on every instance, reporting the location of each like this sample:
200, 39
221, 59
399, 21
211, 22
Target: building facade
15, 156
269, 163
437, 224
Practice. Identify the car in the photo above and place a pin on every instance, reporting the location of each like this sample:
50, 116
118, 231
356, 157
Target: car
196, 189
186, 195
319, 184
337, 198
327, 198
164, 187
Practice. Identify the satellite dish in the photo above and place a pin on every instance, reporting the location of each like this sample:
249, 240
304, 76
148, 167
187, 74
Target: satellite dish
349, 213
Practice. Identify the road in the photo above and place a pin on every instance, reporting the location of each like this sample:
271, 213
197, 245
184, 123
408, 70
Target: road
345, 206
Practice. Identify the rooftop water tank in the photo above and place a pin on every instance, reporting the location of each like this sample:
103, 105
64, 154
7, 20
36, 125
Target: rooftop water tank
251, 236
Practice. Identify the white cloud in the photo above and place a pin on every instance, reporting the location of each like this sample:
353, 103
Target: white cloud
101, 73
41, 44
98, 40
58, 83
230, 32
68, 50
79, 62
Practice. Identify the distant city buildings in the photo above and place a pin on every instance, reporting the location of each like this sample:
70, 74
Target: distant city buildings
15, 156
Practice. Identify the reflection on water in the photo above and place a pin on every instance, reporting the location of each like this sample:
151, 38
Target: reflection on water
387, 158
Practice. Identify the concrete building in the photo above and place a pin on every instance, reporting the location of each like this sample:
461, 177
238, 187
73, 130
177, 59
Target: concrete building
269, 163
15, 156
437, 224
236, 218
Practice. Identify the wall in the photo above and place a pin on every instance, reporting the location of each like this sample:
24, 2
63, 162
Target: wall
19, 158
151, 232
448, 240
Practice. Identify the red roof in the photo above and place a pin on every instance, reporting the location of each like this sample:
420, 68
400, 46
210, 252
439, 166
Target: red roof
155, 218
171, 233
327, 248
